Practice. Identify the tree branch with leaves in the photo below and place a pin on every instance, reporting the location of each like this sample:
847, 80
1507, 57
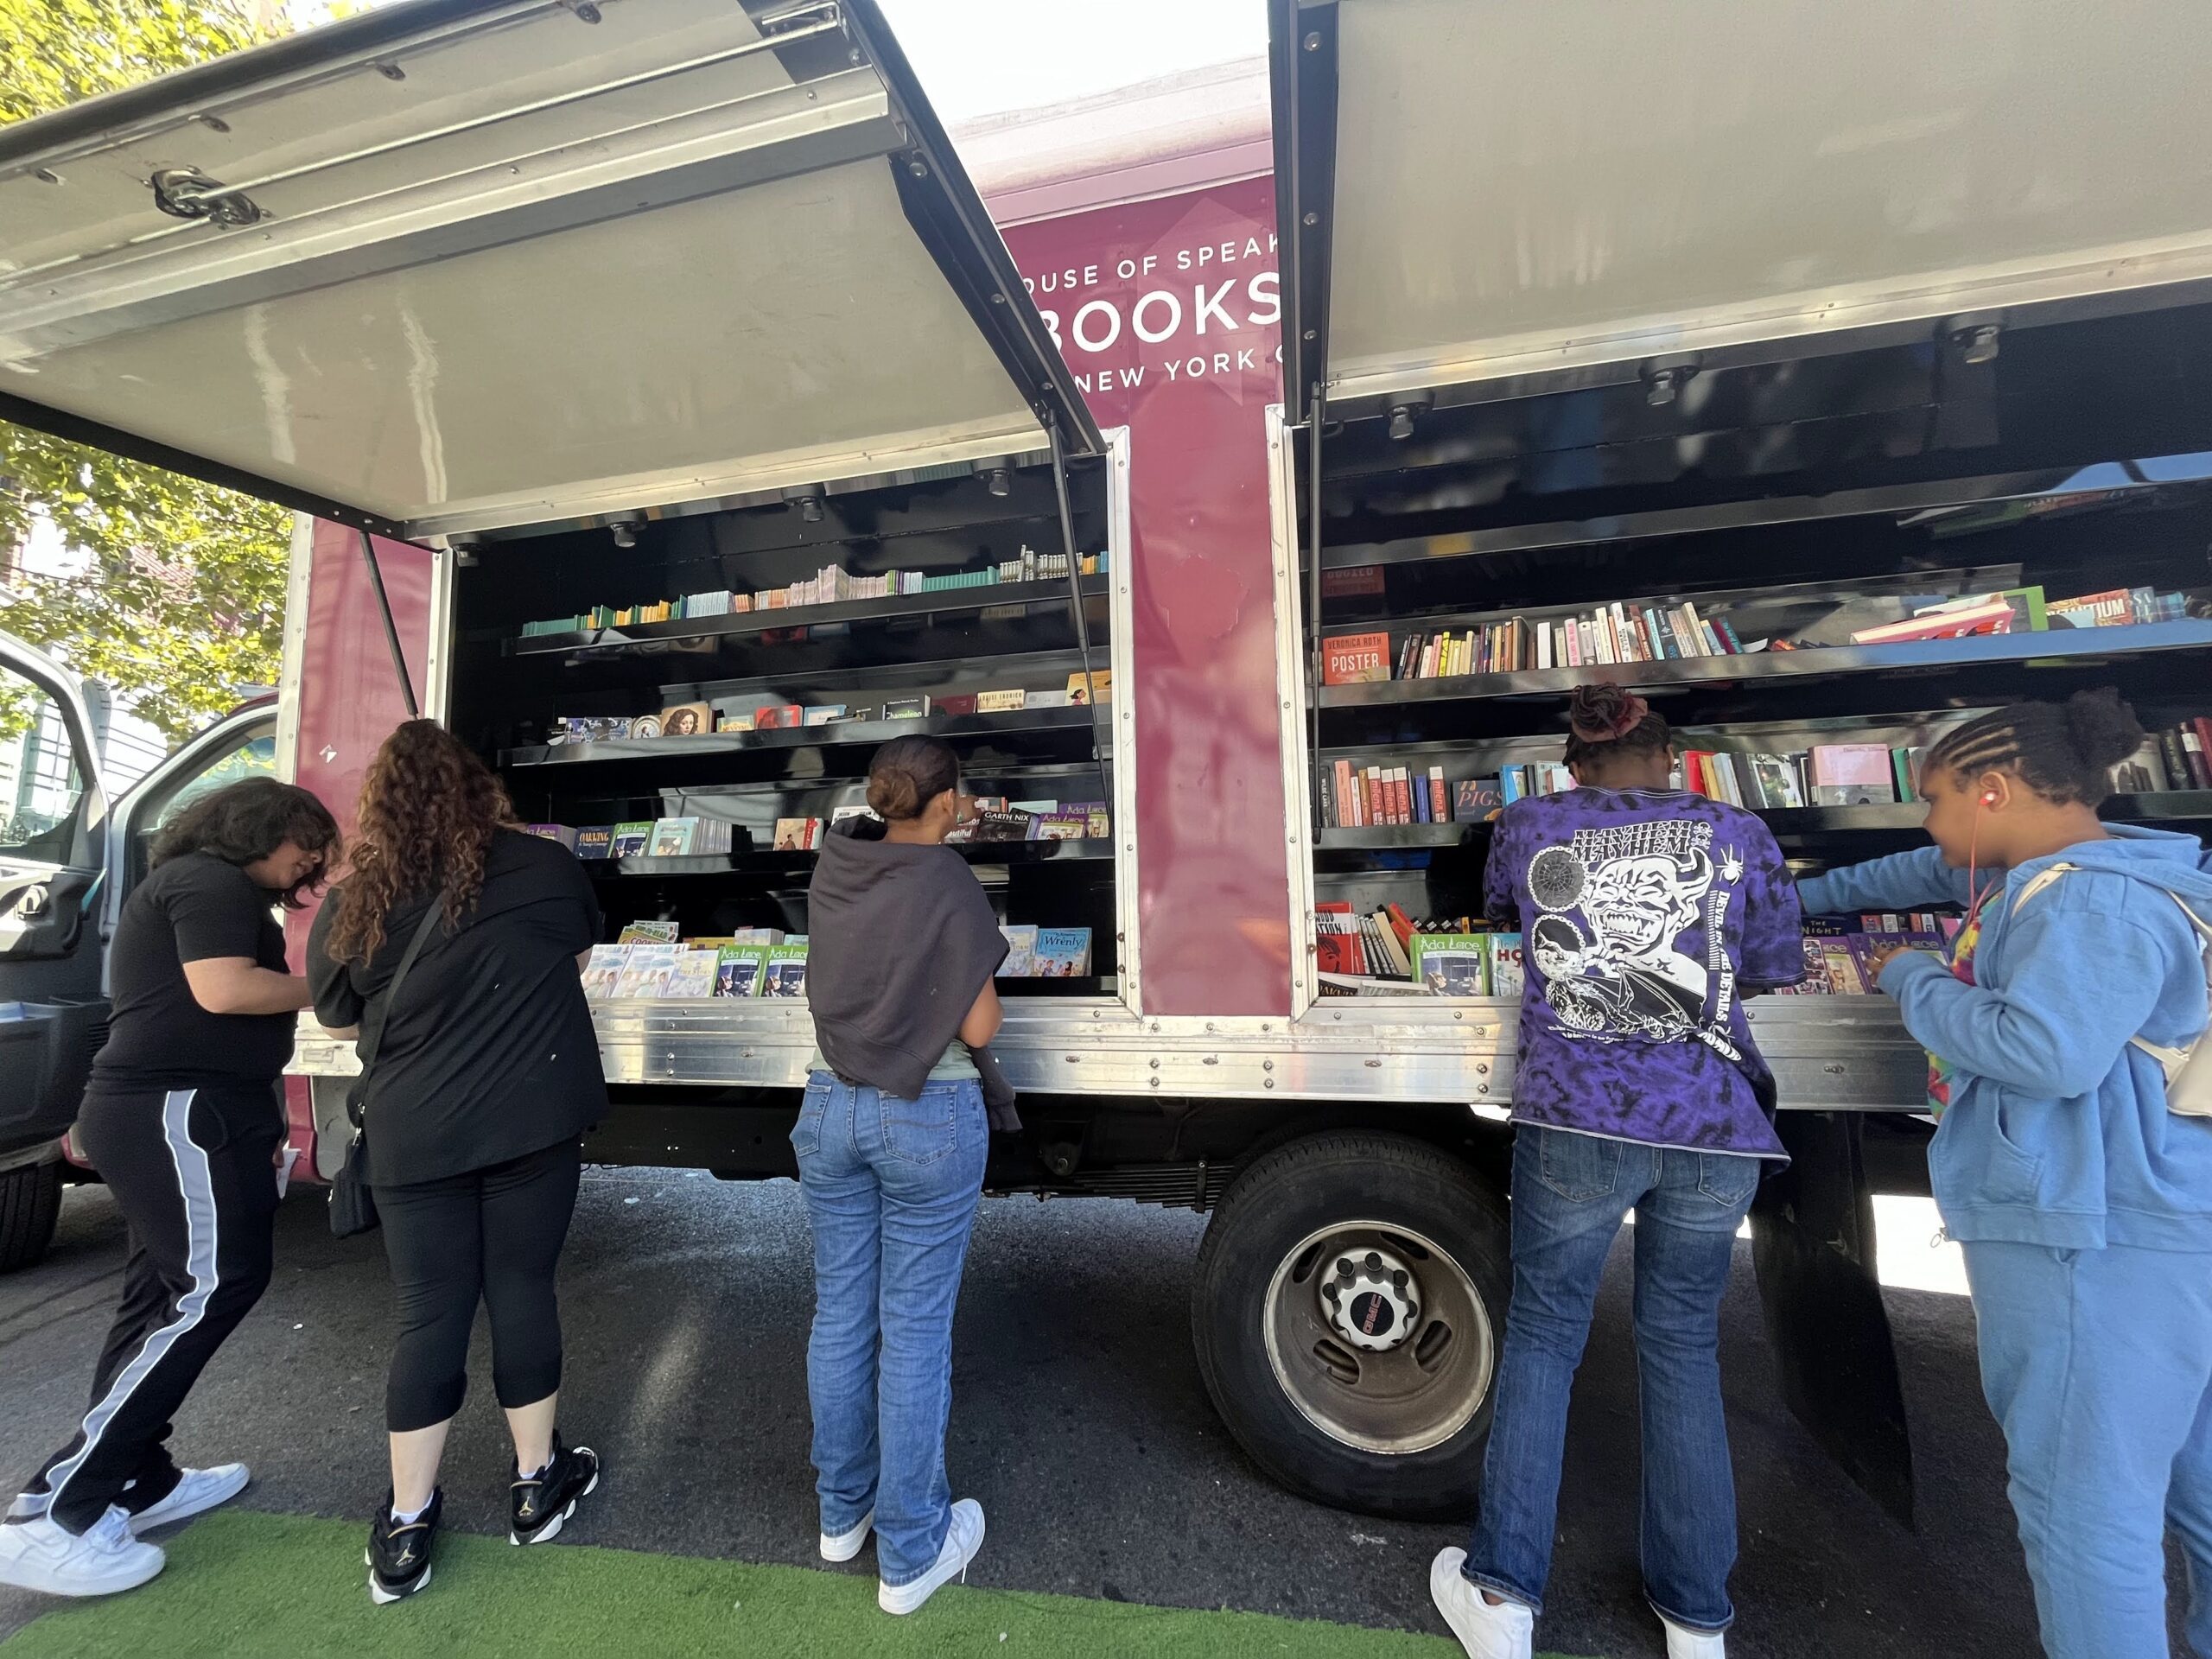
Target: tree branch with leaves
172, 591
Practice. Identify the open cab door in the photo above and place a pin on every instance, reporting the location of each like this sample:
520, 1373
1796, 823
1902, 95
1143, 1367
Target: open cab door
448, 267
1637, 286
52, 1003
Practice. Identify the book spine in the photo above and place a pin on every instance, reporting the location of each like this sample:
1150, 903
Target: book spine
2176, 755
1728, 638
1693, 629
1402, 795
1370, 797
1440, 797
1421, 805
2200, 763
1670, 642
2203, 727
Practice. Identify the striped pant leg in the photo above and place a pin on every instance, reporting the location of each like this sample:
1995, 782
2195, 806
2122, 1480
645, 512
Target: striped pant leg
200, 1194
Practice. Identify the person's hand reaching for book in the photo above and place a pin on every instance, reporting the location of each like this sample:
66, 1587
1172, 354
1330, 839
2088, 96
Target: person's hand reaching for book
1881, 955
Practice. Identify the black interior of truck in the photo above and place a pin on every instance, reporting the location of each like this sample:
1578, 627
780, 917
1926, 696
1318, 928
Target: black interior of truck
1798, 498
860, 657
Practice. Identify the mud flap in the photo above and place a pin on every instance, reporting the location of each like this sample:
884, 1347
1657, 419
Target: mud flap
1812, 1243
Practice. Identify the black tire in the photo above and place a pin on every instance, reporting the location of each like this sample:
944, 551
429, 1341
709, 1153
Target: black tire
31, 1200
1249, 1288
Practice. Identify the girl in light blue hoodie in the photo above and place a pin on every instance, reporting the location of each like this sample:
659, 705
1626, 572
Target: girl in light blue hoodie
2083, 1206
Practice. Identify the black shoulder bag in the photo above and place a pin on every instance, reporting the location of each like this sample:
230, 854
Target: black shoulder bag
352, 1206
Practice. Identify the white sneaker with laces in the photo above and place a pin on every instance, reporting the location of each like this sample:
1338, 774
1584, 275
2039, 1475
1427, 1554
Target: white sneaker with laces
1505, 1631
1692, 1645
199, 1490
962, 1540
39, 1554
843, 1546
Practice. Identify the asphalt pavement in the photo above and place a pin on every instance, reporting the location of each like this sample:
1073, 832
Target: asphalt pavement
1078, 1420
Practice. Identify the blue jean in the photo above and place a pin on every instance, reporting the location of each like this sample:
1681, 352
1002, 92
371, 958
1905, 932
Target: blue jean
2099, 1365
891, 1189
1570, 1194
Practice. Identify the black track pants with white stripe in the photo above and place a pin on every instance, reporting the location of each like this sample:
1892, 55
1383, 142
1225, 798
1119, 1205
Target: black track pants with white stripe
191, 1170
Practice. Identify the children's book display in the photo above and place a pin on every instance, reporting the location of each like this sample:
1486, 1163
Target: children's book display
1045, 952
650, 962
1386, 953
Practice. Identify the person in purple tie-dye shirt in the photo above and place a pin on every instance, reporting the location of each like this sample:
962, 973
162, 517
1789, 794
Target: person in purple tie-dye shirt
1647, 915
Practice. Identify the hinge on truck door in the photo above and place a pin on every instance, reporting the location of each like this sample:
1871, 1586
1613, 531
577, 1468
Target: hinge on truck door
187, 193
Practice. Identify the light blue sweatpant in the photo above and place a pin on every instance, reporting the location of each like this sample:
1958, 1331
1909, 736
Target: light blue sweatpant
2099, 1365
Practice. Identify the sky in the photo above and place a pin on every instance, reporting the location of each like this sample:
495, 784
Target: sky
976, 57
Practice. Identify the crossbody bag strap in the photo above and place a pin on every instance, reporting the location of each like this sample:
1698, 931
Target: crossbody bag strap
374, 1018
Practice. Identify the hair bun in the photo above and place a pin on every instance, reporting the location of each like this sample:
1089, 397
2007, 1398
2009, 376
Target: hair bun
894, 796
1605, 712
2102, 730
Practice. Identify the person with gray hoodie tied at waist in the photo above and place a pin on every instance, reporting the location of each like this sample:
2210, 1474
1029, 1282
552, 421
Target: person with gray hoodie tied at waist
891, 1140
2072, 1170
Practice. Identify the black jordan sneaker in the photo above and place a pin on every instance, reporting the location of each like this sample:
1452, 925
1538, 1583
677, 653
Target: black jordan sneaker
400, 1551
541, 1502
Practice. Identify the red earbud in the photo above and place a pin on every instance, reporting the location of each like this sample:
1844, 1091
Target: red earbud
1989, 797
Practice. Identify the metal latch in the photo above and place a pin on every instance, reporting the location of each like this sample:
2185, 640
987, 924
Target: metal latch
187, 193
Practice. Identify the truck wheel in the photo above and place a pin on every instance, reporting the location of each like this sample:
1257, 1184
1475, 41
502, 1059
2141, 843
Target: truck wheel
30, 1199
1349, 1300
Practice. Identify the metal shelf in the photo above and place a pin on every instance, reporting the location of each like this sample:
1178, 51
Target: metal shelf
769, 859
660, 750
1827, 662
2166, 806
1054, 592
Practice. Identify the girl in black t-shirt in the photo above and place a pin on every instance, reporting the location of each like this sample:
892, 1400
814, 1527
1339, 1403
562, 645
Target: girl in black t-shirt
484, 1080
184, 1120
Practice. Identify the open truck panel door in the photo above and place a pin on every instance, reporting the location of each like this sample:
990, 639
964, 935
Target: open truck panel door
1678, 252
446, 267
1502, 198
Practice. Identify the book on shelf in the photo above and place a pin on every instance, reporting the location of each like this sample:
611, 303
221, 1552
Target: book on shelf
1507, 977
646, 971
1051, 700
781, 716
1852, 774
687, 720
784, 974
1355, 658
797, 835
957, 703
595, 842
561, 834
738, 968
1101, 689
906, 707
1475, 800
1062, 953
823, 713
692, 975
992, 825
1021, 950
2018, 610
839, 814
1000, 702
649, 933
1452, 964
604, 969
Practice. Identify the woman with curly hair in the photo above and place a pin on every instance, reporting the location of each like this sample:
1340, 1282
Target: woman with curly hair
183, 1119
486, 1075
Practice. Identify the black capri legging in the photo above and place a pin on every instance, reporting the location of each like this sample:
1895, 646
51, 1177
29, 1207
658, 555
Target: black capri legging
496, 1233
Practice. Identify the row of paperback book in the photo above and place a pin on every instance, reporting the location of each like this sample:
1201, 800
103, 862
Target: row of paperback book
649, 962
681, 837
831, 585
1840, 950
2179, 757
1625, 632
1830, 774
1649, 631
1385, 952
701, 719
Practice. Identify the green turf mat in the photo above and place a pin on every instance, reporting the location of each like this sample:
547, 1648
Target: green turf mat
240, 1583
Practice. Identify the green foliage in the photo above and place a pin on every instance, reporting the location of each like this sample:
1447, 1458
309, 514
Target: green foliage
179, 602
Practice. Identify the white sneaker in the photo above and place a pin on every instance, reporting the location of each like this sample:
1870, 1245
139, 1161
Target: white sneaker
39, 1554
962, 1540
843, 1546
1505, 1631
1692, 1645
199, 1490
29, 1506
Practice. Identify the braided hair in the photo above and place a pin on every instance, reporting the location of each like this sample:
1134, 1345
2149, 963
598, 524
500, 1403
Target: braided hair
1603, 721
2064, 752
